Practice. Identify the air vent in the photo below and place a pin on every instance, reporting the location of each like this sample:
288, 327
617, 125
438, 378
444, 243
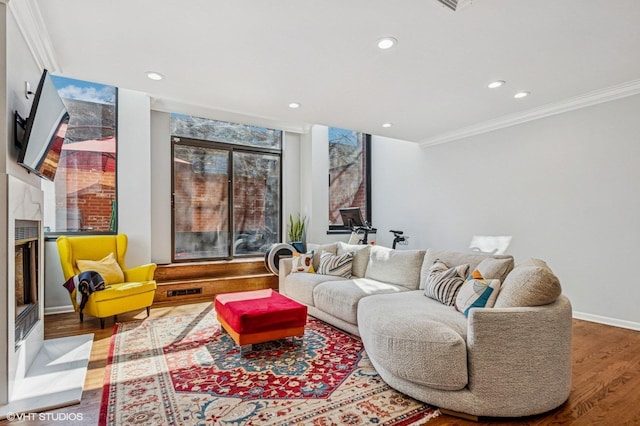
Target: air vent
455, 4
184, 292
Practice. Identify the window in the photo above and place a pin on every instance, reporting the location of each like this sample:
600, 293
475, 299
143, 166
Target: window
82, 198
349, 174
226, 189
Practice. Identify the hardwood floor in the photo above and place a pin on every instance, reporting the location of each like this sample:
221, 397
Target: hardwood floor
605, 383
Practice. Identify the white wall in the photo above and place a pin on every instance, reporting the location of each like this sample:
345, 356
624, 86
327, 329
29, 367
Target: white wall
395, 191
134, 174
564, 187
16, 67
160, 187
314, 160
4, 263
291, 169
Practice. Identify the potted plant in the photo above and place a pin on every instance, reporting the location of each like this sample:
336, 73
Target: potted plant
296, 232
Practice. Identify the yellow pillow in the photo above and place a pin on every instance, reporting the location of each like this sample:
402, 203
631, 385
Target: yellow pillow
107, 267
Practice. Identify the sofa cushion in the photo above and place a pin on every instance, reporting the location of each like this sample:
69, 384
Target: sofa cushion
300, 286
477, 292
340, 298
318, 249
458, 258
360, 257
529, 284
430, 349
443, 282
338, 265
400, 267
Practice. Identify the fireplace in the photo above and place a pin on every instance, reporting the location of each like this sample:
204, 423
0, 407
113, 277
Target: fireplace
26, 277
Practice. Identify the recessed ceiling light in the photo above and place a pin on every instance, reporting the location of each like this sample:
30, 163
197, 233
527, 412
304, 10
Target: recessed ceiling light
155, 75
387, 125
387, 43
294, 105
521, 95
495, 84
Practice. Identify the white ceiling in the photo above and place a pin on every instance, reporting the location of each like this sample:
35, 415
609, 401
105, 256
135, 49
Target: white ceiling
254, 57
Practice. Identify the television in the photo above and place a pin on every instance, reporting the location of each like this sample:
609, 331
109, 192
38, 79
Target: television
44, 130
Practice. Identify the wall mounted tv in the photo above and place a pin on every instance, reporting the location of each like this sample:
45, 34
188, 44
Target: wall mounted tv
43, 131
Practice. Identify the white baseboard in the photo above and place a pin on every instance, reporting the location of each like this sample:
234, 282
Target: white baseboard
607, 321
58, 310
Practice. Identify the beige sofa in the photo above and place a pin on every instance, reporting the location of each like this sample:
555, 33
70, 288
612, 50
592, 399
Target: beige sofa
511, 360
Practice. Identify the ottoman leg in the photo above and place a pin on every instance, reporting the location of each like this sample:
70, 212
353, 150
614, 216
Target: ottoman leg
245, 349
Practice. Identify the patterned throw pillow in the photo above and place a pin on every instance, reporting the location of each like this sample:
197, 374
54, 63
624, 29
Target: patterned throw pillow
443, 282
477, 292
303, 262
336, 265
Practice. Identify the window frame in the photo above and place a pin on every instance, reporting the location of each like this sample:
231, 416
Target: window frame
343, 229
231, 148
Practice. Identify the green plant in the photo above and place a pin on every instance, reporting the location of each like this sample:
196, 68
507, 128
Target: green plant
296, 227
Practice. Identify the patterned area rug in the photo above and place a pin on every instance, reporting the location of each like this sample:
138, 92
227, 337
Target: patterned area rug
184, 370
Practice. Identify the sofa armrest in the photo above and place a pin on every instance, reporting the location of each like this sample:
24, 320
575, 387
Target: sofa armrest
284, 268
521, 357
140, 273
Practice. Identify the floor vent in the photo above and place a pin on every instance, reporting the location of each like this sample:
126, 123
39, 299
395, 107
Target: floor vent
184, 292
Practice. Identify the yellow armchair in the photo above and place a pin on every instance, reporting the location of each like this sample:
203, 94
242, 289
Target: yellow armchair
137, 290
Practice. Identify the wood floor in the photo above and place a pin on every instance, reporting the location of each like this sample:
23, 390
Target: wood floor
605, 384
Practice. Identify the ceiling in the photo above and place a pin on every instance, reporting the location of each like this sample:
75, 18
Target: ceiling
250, 58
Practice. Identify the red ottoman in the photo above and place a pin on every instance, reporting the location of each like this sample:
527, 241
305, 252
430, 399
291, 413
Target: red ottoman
260, 316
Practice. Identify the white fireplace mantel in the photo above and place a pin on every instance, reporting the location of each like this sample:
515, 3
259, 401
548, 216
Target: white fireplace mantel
35, 374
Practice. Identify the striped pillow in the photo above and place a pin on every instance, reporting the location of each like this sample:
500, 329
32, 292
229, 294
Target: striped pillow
443, 282
336, 265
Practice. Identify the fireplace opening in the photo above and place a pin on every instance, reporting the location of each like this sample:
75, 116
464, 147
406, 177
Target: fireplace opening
26, 277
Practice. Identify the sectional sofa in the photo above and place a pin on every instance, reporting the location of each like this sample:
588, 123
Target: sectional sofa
509, 360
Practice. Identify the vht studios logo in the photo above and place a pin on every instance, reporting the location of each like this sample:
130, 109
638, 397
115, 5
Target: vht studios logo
50, 417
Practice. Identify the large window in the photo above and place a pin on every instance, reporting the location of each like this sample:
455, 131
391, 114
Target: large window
226, 189
82, 198
349, 174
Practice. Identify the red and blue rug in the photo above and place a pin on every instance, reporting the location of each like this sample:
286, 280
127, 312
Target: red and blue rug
184, 370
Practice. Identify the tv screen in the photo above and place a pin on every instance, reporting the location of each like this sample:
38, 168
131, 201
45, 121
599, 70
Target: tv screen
45, 130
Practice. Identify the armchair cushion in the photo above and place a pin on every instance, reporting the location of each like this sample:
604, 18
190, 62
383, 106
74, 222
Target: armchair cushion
107, 267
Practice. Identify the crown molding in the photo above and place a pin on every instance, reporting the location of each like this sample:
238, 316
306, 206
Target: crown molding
34, 31
176, 106
592, 98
